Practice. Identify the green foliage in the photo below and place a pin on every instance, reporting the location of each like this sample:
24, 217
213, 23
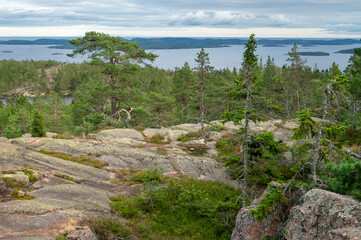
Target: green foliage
12, 130
157, 138
190, 136
31, 174
345, 177
185, 209
216, 128
307, 127
37, 126
148, 175
108, 228
274, 198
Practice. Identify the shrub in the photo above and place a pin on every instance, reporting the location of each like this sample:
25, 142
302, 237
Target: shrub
157, 138
345, 177
107, 228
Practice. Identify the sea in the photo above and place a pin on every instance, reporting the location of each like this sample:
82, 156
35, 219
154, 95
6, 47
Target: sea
220, 58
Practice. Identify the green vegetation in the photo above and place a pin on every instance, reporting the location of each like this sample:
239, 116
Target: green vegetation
37, 126
158, 139
107, 228
345, 177
274, 198
184, 208
64, 177
75, 158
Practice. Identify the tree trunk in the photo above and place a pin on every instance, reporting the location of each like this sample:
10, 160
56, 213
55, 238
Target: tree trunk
202, 108
319, 135
245, 142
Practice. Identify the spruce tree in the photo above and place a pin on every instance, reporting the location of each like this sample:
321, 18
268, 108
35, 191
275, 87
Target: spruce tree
37, 126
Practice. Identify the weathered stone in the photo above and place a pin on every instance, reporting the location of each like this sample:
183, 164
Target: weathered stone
150, 132
174, 134
26, 135
18, 176
248, 228
350, 233
188, 127
107, 135
82, 234
321, 215
50, 134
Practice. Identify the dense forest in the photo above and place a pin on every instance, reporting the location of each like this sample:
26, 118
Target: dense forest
161, 97
119, 88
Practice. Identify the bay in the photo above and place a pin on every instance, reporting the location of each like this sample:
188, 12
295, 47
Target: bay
226, 57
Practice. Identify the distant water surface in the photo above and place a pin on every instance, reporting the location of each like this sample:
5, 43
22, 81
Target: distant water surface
170, 58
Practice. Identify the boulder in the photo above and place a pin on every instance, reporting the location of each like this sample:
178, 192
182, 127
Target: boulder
107, 135
188, 127
249, 228
150, 132
351, 233
174, 134
324, 215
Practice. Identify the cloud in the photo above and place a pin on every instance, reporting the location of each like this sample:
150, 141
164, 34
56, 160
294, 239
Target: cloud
330, 15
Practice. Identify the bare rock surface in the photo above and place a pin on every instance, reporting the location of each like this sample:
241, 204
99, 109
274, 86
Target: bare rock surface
324, 215
107, 135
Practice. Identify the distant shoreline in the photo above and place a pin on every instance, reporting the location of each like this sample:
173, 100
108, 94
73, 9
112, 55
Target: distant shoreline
189, 43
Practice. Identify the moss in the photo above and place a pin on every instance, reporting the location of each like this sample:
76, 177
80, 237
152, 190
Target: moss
79, 159
216, 128
158, 139
191, 136
63, 176
31, 174
162, 151
15, 195
11, 183
7, 172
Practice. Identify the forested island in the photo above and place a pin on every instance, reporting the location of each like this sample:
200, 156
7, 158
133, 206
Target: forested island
314, 54
346, 51
148, 153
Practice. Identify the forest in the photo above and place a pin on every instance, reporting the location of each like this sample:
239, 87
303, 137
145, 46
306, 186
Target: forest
118, 88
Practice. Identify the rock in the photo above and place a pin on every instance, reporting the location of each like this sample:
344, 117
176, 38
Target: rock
350, 233
188, 127
15, 157
291, 124
214, 136
18, 176
174, 134
21, 194
324, 215
127, 141
150, 132
26, 135
82, 234
107, 135
50, 134
248, 228
50, 181
195, 142
231, 127
215, 122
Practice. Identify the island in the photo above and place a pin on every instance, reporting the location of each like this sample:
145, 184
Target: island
6, 52
347, 51
313, 54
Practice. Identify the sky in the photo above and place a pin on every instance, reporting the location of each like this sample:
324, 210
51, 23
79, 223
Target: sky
185, 18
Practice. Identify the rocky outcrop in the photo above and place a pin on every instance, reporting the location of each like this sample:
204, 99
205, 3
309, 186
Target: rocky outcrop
247, 227
324, 215
68, 191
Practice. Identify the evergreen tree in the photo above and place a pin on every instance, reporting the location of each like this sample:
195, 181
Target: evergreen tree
203, 70
245, 90
37, 126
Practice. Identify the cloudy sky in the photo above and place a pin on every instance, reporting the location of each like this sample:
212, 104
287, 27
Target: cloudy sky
185, 18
